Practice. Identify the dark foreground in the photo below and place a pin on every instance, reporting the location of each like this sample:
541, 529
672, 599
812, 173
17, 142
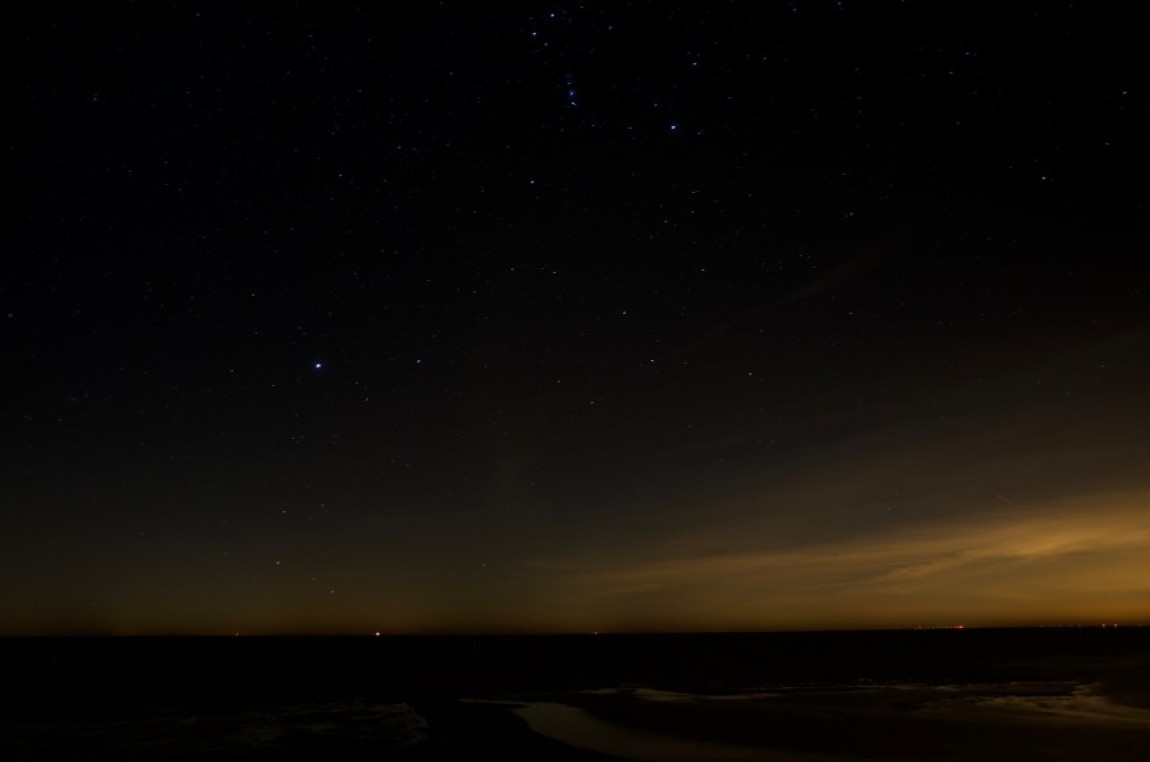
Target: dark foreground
1058, 694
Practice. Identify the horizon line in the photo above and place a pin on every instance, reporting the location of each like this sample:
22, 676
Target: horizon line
959, 627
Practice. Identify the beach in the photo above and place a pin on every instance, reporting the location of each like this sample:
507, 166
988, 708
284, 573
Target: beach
1020, 694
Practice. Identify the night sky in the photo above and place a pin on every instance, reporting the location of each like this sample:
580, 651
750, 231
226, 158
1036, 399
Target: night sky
574, 317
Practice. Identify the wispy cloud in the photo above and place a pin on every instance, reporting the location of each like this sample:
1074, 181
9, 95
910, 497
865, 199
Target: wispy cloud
1039, 561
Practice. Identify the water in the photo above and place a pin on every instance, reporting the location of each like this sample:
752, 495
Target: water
1050, 694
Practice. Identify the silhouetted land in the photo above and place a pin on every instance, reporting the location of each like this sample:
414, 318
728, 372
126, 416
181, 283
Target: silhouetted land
831, 693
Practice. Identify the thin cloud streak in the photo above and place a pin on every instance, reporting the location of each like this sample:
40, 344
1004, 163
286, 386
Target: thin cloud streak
1045, 560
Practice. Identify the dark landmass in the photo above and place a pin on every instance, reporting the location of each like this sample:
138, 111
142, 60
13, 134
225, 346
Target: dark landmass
841, 695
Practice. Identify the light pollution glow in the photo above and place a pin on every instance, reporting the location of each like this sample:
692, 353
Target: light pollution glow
996, 515
1074, 560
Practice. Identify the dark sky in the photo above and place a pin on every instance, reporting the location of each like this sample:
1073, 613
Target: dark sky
440, 317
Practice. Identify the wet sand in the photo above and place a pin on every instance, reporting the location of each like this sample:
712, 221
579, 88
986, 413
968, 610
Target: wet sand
1056, 720
1016, 694
576, 727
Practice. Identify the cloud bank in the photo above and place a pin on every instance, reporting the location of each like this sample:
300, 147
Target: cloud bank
1070, 559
